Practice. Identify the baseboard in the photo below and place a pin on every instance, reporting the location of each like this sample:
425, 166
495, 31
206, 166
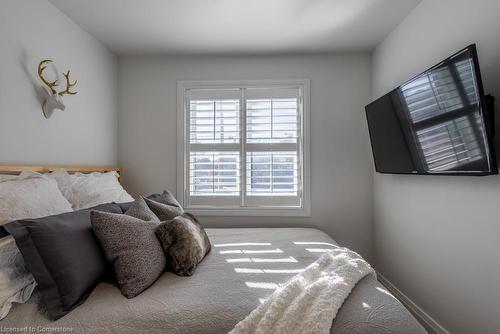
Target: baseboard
431, 325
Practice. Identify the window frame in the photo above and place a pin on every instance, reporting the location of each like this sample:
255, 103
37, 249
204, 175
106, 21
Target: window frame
182, 142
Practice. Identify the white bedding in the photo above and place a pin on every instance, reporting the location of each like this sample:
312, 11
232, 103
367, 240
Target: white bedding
308, 303
88, 190
16, 284
225, 288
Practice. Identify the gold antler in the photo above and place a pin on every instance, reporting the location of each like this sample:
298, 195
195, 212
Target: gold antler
51, 84
69, 85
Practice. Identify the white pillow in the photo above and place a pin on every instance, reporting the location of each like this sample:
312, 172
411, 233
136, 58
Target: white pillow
87, 190
16, 283
63, 180
29, 195
22, 176
4, 177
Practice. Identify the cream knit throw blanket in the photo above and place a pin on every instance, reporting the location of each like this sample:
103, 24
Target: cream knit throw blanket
309, 302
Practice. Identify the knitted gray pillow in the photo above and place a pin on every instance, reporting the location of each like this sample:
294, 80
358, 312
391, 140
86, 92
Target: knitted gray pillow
185, 243
164, 211
130, 244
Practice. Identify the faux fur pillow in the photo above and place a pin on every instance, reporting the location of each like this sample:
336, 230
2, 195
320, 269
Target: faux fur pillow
130, 244
164, 211
185, 243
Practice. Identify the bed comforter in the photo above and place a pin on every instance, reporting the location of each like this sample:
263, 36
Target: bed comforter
243, 268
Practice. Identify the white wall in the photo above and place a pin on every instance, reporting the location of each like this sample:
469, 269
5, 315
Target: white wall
86, 132
436, 237
341, 172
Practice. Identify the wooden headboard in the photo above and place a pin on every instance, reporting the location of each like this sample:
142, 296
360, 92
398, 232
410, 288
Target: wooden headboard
17, 169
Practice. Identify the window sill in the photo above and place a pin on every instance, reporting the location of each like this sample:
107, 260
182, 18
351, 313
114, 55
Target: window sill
255, 212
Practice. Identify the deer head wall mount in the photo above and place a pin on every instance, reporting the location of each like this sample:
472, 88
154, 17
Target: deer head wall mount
54, 98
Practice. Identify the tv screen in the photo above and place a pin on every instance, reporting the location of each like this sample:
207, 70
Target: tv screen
436, 123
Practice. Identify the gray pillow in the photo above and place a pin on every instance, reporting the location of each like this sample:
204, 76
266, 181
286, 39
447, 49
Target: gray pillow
64, 256
164, 211
185, 243
140, 209
166, 197
130, 244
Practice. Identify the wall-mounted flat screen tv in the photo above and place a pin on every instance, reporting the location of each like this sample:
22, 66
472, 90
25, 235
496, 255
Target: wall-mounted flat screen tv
436, 123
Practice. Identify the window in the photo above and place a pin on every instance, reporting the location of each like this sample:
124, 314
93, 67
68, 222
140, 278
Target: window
243, 147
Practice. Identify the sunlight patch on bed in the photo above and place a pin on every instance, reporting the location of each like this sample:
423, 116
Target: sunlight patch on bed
243, 259
243, 244
386, 292
249, 271
262, 251
262, 260
267, 271
284, 271
319, 250
252, 251
283, 259
262, 285
314, 243
233, 251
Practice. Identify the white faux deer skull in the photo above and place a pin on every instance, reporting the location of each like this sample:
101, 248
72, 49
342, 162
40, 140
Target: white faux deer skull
54, 99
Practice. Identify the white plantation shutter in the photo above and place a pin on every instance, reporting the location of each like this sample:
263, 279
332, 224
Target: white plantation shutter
214, 146
214, 173
244, 147
273, 164
214, 117
272, 115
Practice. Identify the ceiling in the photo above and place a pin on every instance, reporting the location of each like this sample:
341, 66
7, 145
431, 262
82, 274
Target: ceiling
237, 26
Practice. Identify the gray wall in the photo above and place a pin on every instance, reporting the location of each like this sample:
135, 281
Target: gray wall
340, 87
86, 132
436, 237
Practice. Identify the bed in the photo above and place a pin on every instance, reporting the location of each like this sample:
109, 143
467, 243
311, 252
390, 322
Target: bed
244, 266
